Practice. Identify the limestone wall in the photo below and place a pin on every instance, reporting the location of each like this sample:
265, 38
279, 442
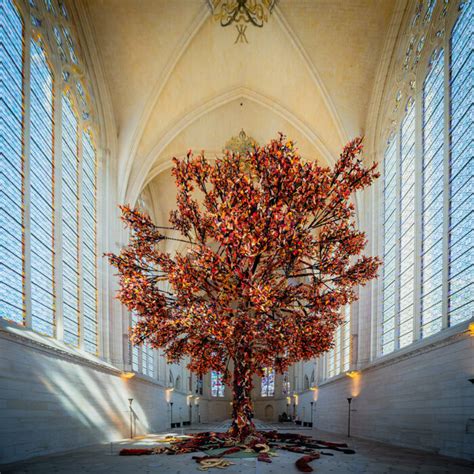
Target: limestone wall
53, 399
420, 398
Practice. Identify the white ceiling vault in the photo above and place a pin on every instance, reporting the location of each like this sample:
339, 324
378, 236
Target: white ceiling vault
177, 80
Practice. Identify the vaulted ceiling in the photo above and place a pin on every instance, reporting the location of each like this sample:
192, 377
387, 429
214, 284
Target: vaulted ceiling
177, 79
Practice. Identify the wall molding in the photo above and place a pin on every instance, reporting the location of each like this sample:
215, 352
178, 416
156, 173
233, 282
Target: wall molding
437, 341
52, 347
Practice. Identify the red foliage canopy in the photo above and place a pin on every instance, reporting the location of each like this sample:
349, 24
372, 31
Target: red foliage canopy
272, 254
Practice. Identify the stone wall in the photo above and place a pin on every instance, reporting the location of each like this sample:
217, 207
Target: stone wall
420, 398
54, 399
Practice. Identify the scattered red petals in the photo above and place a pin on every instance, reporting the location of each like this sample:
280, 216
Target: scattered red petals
264, 457
302, 463
135, 452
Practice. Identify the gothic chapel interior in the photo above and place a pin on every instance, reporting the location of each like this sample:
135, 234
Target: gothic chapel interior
98, 96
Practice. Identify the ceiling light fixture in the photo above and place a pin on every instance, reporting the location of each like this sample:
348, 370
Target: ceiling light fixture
241, 13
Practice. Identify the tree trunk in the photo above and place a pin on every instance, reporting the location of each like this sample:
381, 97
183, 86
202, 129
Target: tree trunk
242, 409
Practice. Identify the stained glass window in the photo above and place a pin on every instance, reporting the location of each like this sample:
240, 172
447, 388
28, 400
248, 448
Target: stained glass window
461, 186
389, 248
268, 382
70, 221
217, 385
41, 192
286, 388
432, 199
11, 169
89, 244
407, 225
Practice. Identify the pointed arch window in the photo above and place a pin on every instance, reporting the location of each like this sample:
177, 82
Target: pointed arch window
436, 293
47, 238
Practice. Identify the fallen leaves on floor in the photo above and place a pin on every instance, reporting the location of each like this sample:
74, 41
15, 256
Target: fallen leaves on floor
260, 445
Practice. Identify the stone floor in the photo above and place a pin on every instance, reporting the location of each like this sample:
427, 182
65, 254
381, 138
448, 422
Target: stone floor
370, 457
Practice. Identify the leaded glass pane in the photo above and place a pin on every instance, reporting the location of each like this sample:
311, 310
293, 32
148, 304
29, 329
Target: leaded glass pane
432, 198
11, 164
389, 244
70, 211
42, 192
407, 225
89, 243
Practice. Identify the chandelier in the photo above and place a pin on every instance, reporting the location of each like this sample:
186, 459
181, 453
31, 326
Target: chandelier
240, 13
240, 144
255, 12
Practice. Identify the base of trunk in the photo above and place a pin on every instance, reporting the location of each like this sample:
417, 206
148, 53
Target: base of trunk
242, 409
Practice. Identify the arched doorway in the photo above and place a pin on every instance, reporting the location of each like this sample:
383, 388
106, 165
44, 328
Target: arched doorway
269, 413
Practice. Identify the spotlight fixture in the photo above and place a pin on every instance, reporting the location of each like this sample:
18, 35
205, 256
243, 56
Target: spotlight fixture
130, 401
352, 373
349, 401
127, 375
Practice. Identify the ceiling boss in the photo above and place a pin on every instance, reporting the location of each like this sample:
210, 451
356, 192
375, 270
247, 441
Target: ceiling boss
240, 13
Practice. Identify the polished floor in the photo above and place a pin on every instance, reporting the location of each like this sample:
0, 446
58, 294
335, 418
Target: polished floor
370, 457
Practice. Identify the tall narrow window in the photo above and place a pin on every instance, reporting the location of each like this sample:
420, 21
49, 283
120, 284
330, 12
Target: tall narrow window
286, 384
337, 351
461, 225
70, 221
89, 244
217, 385
432, 199
41, 192
330, 363
407, 225
148, 360
389, 248
11, 169
346, 339
135, 349
268, 382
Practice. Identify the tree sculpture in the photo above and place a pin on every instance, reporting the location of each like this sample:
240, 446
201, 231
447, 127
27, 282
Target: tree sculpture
272, 254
